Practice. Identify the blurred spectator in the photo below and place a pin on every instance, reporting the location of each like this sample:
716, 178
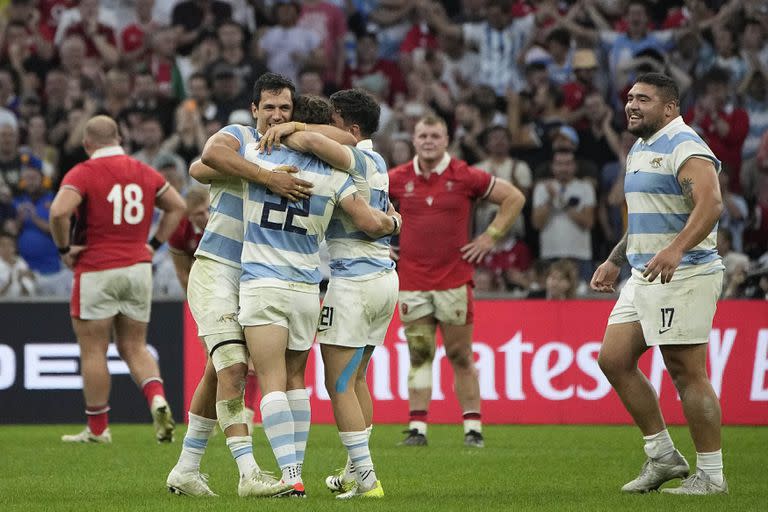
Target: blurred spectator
562, 280
722, 125
55, 95
134, 38
564, 213
185, 239
500, 40
735, 212
162, 63
117, 93
754, 93
194, 17
725, 56
598, 141
506, 267
565, 138
34, 236
8, 97
228, 92
152, 138
95, 25
610, 209
330, 24
7, 210
500, 163
369, 67
16, 280
401, 152
735, 277
72, 51
286, 47
754, 49
10, 157
469, 123
560, 65
460, 65
148, 100
232, 52
310, 81
199, 91
37, 146
391, 19
190, 136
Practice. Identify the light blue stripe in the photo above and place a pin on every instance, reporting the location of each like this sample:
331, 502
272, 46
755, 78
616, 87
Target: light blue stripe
343, 381
193, 442
301, 415
360, 459
286, 460
277, 418
235, 131
378, 160
282, 440
299, 455
357, 446
318, 204
336, 230
222, 246
306, 163
242, 451
698, 257
300, 437
640, 223
379, 199
283, 240
231, 206
651, 183
354, 267
666, 145
284, 273
360, 167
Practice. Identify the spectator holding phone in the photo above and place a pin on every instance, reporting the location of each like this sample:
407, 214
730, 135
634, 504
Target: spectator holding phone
564, 213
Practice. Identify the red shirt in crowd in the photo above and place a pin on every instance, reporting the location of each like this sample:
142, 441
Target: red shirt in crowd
727, 148
436, 222
186, 238
90, 47
114, 218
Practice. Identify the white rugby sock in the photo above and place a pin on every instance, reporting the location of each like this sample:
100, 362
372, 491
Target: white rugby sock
658, 445
242, 451
298, 400
199, 431
712, 464
356, 444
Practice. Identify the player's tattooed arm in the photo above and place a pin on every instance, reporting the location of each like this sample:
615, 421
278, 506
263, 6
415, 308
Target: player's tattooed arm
686, 184
618, 255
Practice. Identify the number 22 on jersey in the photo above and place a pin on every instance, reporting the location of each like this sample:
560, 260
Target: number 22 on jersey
126, 204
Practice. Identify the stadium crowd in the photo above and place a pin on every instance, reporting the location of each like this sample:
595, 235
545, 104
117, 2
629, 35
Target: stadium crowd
532, 92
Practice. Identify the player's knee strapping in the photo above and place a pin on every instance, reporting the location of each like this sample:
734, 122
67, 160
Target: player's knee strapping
231, 412
228, 353
421, 346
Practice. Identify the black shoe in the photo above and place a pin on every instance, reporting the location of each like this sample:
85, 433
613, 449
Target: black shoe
474, 439
414, 438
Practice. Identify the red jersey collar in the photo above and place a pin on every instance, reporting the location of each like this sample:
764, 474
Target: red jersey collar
108, 151
441, 166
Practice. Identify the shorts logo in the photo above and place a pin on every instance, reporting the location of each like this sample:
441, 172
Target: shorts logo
326, 319
667, 314
458, 313
656, 162
404, 308
228, 317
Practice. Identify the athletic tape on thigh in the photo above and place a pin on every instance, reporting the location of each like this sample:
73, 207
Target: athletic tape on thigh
228, 353
421, 347
230, 412
343, 381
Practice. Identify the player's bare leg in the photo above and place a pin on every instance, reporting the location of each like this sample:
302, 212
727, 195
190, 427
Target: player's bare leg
185, 477
344, 371
267, 346
623, 344
93, 338
420, 335
458, 349
298, 401
687, 365
362, 391
131, 340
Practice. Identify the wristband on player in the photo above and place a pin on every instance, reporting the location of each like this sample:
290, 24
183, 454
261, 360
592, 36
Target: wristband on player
155, 243
494, 233
64, 250
394, 220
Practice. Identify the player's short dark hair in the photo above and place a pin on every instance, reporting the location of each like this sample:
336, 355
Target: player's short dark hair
356, 106
667, 87
312, 109
274, 83
560, 35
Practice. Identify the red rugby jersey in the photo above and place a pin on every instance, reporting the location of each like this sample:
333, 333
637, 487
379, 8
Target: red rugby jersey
186, 238
114, 219
436, 222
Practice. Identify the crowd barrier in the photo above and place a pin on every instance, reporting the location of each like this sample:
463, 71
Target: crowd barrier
537, 362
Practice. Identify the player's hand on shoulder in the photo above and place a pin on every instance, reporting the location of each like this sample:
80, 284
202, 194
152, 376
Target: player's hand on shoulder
283, 182
604, 278
273, 136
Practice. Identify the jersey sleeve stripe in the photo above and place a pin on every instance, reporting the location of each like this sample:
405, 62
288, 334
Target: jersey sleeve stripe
490, 187
73, 188
163, 189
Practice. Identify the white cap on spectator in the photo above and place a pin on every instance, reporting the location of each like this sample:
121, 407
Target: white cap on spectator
537, 54
8, 118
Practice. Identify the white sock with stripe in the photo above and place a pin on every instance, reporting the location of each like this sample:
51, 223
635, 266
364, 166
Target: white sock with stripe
298, 400
199, 431
356, 444
242, 451
277, 420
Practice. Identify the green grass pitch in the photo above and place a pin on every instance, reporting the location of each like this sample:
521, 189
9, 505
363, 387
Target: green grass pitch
522, 468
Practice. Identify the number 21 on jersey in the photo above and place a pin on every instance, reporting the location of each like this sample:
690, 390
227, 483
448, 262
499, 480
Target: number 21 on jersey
126, 204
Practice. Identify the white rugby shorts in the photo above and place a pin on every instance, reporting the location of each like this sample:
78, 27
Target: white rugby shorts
676, 313
357, 313
454, 306
212, 294
105, 293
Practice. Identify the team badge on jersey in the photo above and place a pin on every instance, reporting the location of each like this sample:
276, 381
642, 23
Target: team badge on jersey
449, 185
656, 162
429, 200
409, 187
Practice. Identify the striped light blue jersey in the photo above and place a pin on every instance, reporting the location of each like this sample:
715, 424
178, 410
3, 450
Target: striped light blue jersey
354, 255
657, 208
282, 239
222, 240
